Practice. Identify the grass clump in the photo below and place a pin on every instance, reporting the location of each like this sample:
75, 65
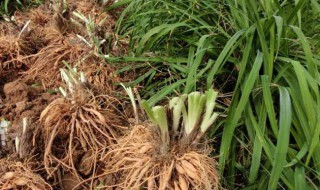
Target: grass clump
263, 55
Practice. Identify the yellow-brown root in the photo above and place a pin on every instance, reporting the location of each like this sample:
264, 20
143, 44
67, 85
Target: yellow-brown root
140, 162
47, 62
76, 129
17, 175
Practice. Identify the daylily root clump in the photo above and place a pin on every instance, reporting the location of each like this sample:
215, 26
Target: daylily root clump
169, 153
40, 40
78, 126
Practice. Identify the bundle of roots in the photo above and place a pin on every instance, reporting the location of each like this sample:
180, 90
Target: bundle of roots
21, 38
138, 161
17, 175
12, 52
46, 63
100, 75
76, 128
169, 153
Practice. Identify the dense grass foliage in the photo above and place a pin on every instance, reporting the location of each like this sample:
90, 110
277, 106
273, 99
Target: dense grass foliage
7, 7
265, 53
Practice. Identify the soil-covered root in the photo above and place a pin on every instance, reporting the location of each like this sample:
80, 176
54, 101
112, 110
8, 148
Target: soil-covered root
138, 161
76, 128
16, 50
48, 61
22, 37
12, 52
100, 75
17, 175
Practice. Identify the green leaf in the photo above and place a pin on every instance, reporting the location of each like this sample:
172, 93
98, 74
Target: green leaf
165, 91
269, 104
154, 34
283, 142
236, 111
300, 178
223, 57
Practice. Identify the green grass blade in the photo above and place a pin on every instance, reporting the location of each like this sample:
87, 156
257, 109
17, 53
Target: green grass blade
279, 24
6, 4
234, 117
305, 92
303, 151
222, 57
269, 104
257, 145
307, 49
164, 92
154, 34
300, 178
283, 142
191, 79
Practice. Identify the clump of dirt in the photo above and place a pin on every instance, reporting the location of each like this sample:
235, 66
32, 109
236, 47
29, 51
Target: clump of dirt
16, 91
23, 102
17, 175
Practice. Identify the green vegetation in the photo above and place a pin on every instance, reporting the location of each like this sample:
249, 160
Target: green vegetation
266, 54
7, 7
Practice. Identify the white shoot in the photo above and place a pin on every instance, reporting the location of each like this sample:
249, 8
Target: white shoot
133, 101
195, 107
209, 115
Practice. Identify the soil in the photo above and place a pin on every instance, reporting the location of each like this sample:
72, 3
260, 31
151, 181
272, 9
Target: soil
23, 101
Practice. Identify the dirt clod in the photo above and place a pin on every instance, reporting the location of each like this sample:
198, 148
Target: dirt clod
16, 91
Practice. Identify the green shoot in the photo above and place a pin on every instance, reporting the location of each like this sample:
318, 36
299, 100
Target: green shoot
160, 116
